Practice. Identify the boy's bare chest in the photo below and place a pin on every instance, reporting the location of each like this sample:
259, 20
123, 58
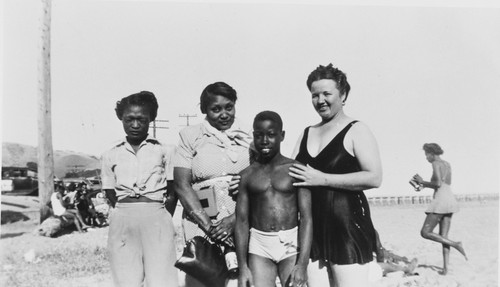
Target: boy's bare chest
275, 180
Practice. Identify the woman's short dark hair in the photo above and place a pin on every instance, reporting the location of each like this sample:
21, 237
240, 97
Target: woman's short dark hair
330, 73
216, 89
433, 148
143, 99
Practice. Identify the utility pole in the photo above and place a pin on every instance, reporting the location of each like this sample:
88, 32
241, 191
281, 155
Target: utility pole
157, 127
45, 150
187, 117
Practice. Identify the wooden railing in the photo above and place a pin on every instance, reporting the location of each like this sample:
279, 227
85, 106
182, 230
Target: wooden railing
425, 199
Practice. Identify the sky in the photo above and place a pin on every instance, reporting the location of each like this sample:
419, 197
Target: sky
418, 73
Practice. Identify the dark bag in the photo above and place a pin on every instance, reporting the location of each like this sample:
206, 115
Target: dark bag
204, 261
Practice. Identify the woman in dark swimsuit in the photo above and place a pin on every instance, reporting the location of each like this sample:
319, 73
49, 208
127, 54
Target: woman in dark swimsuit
341, 159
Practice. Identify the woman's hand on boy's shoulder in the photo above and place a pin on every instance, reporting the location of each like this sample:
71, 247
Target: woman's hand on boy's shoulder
233, 185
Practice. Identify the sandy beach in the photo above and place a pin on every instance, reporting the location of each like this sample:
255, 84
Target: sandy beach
476, 225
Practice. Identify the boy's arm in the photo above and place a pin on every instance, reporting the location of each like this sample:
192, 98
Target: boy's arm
305, 225
241, 233
299, 272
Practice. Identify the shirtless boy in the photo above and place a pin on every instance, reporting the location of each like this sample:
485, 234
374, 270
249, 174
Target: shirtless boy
273, 218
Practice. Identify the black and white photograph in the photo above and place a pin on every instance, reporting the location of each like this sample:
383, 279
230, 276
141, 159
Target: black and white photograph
250, 143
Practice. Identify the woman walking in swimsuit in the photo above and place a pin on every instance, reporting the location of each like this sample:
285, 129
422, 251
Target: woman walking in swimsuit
442, 206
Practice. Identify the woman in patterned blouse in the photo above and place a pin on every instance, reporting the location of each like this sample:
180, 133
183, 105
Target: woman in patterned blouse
208, 158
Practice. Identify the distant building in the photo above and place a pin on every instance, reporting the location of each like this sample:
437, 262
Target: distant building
20, 179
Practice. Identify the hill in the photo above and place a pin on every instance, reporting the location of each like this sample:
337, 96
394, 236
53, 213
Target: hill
18, 155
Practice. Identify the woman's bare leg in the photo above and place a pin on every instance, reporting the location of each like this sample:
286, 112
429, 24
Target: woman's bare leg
444, 228
73, 217
430, 223
351, 275
78, 217
317, 276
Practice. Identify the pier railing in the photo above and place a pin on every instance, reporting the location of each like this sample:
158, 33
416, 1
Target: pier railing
425, 199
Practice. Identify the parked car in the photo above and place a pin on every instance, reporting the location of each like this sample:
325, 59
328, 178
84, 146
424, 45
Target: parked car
93, 184
19, 181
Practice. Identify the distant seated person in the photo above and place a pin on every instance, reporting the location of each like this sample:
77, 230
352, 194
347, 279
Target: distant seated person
70, 195
392, 262
387, 262
84, 203
82, 187
61, 208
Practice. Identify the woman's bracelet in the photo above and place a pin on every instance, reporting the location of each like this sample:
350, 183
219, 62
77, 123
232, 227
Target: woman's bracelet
197, 216
198, 212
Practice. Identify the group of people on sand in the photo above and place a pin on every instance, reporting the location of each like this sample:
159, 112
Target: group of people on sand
73, 202
62, 206
304, 219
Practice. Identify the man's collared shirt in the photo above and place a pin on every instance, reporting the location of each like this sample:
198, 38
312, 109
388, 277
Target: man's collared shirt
144, 173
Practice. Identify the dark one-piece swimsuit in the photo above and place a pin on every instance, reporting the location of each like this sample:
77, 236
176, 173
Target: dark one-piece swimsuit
343, 231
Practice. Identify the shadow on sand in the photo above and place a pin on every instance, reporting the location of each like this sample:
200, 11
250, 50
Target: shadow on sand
9, 235
9, 216
432, 267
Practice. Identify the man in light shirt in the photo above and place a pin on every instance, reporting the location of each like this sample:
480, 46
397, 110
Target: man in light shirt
134, 176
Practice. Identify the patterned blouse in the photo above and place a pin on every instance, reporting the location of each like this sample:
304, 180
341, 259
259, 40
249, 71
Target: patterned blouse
210, 153
213, 156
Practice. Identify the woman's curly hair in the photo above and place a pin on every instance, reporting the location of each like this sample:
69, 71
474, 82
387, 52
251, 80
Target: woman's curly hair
330, 73
433, 148
143, 99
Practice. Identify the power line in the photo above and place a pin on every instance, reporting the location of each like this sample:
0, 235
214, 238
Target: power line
187, 117
153, 125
